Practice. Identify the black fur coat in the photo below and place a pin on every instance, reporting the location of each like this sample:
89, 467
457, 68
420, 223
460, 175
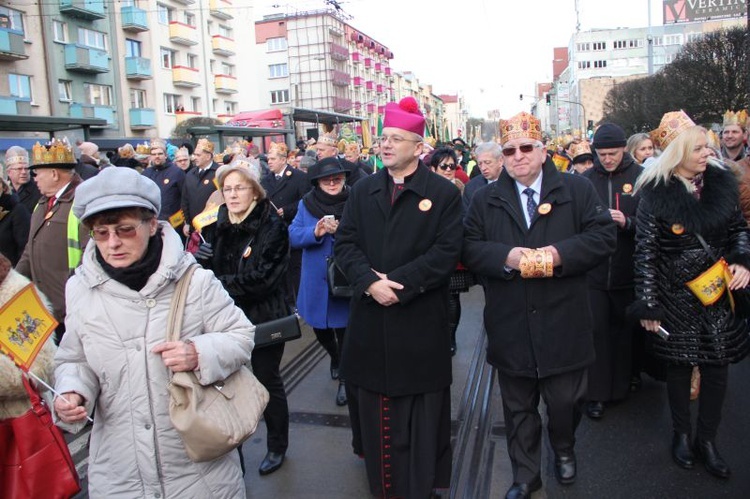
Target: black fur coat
668, 254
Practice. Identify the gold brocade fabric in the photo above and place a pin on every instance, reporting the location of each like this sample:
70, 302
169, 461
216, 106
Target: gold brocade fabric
536, 264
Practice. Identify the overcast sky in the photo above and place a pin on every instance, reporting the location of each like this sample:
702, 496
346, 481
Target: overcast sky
488, 51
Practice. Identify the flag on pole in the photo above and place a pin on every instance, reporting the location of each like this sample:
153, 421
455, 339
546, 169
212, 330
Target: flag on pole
206, 218
25, 324
380, 125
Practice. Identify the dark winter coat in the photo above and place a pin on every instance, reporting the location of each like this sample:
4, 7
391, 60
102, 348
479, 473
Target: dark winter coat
15, 221
87, 167
286, 192
29, 195
538, 327
170, 180
250, 259
668, 254
471, 188
615, 188
196, 190
403, 349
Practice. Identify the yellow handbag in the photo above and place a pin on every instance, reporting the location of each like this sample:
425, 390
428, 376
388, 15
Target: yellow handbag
712, 283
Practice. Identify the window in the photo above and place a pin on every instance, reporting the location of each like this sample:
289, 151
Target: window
691, 37
278, 70
658, 41
189, 19
279, 96
98, 95
673, 39
171, 103
600, 64
276, 44
195, 104
192, 61
227, 32
65, 90
92, 39
227, 69
584, 64
60, 31
583, 47
137, 98
128, 3
212, 66
167, 58
231, 107
132, 48
20, 86
164, 14
11, 19
600, 46
670, 58
214, 105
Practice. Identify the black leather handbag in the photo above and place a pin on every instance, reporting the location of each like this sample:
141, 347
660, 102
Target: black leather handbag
277, 331
338, 285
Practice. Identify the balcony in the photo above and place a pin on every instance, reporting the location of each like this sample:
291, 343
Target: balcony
370, 108
83, 9
341, 79
142, 118
357, 105
137, 68
85, 59
134, 19
369, 85
388, 71
15, 105
181, 116
221, 9
185, 2
78, 110
378, 67
368, 62
356, 57
225, 84
379, 88
339, 52
341, 104
11, 45
222, 45
358, 80
185, 77
182, 34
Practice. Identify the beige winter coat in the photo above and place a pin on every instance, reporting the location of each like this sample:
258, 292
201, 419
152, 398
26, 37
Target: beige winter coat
106, 357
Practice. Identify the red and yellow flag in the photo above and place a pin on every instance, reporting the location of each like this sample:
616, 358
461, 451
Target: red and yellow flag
25, 324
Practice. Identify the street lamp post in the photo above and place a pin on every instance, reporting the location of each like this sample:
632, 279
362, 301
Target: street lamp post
297, 70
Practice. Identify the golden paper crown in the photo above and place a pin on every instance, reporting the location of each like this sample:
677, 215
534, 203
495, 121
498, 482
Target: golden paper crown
205, 145
12, 160
57, 152
579, 149
672, 124
278, 148
521, 126
158, 144
738, 118
328, 139
143, 148
713, 139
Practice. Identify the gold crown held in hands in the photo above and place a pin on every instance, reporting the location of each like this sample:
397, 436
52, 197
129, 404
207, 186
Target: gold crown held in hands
522, 125
56, 152
672, 124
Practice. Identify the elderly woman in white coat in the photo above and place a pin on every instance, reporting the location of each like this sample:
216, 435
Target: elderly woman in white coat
114, 356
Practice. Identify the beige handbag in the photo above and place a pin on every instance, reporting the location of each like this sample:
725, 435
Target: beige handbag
211, 420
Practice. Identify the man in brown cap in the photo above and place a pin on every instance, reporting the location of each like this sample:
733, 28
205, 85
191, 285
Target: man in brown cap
532, 236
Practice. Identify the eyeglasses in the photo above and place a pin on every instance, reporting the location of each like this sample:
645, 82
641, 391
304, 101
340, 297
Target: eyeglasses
122, 231
181, 159
447, 166
331, 180
239, 189
526, 148
395, 139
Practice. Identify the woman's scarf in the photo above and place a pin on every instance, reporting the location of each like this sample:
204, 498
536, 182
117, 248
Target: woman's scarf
320, 203
136, 275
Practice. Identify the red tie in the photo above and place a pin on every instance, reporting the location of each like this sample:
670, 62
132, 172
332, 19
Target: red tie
51, 202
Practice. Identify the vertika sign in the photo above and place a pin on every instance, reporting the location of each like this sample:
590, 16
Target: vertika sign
686, 11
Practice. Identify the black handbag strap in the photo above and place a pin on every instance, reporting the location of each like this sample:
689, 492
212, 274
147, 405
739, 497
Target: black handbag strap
706, 247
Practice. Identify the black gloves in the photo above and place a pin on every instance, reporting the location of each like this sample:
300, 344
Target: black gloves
205, 252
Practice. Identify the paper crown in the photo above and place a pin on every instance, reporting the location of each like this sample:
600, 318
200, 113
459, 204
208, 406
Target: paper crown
157, 144
713, 139
16, 158
738, 118
521, 126
672, 124
404, 115
205, 145
57, 152
328, 139
143, 148
580, 149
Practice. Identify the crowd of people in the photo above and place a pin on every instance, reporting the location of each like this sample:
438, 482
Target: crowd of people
599, 243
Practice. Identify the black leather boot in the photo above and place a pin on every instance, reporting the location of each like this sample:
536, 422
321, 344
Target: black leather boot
706, 451
681, 452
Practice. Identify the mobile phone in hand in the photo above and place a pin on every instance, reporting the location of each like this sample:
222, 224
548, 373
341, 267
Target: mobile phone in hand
663, 333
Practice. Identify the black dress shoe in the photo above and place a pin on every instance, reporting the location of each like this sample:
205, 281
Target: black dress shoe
341, 394
595, 409
707, 452
271, 463
681, 452
523, 490
565, 468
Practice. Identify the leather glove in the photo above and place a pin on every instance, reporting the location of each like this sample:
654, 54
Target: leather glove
205, 252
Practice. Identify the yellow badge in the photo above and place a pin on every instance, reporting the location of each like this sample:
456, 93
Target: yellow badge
425, 205
205, 182
248, 252
678, 229
166, 181
288, 173
544, 208
627, 188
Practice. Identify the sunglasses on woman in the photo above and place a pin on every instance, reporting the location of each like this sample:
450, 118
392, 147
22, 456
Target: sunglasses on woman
122, 231
448, 166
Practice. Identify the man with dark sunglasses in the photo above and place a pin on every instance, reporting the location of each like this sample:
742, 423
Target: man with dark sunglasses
532, 236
